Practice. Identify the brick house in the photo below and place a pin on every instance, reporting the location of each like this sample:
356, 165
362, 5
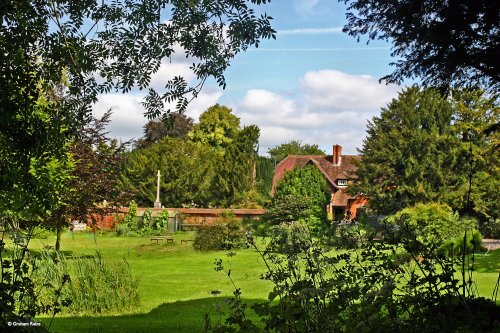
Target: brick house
338, 171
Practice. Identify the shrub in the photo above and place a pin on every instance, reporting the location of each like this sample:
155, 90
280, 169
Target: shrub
42, 233
372, 288
224, 234
455, 246
433, 223
257, 227
19, 301
96, 286
131, 225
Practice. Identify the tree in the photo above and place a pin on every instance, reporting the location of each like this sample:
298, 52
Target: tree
187, 173
176, 125
445, 43
294, 147
92, 191
301, 192
236, 174
217, 127
415, 151
264, 176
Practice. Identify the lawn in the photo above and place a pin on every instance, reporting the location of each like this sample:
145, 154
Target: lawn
176, 280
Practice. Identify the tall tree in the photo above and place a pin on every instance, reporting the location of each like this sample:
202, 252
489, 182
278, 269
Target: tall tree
264, 176
92, 191
445, 43
176, 125
236, 174
187, 173
218, 127
416, 152
294, 147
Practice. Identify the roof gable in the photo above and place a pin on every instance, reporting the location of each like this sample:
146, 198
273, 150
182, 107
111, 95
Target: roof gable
324, 163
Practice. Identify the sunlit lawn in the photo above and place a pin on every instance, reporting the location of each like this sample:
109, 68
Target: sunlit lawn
176, 280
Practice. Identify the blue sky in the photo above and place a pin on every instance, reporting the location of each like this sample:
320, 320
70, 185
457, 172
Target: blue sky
313, 83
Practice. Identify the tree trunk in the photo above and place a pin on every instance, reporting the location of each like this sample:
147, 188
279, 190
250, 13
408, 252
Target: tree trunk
58, 238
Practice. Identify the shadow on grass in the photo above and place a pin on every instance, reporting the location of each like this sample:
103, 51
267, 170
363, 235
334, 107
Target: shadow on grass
487, 262
181, 316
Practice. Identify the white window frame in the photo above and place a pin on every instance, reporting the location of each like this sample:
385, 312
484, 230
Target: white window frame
342, 182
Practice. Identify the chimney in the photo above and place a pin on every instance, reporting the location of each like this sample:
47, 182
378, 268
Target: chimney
337, 152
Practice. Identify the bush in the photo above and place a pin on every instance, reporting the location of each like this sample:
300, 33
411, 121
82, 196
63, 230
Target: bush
455, 246
257, 227
376, 287
131, 225
224, 234
433, 224
96, 286
19, 301
42, 233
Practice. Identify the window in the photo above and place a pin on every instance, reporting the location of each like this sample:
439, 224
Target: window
342, 182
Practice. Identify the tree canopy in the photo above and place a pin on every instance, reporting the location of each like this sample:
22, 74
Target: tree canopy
302, 194
214, 168
176, 125
418, 151
445, 43
218, 127
294, 147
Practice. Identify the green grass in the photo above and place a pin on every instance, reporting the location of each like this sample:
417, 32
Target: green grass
176, 280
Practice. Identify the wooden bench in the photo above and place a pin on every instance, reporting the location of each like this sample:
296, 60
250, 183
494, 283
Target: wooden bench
157, 239
185, 241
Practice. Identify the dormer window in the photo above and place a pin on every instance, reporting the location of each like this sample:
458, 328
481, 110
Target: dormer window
342, 182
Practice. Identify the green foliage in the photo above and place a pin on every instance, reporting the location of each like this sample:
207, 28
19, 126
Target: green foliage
175, 125
235, 176
35, 166
294, 147
490, 228
187, 173
417, 31
264, 176
19, 289
375, 287
132, 225
225, 233
455, 246
302, 194
203, 173
433, 224
418, 150
96, 286
161, 222
217, 127
288, 208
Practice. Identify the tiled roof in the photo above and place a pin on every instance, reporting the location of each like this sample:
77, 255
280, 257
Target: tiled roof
323, 162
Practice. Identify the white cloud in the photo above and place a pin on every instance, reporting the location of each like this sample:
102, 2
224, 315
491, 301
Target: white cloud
168, 70
309, 31
332, 108
128, 117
